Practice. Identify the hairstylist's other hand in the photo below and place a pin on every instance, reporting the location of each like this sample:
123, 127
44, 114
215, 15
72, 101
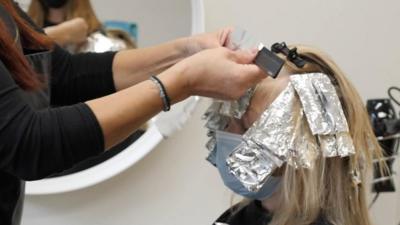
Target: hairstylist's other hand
77, 29
220, 73
204, 41
72, 31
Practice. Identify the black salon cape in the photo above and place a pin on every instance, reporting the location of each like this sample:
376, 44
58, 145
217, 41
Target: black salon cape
37, 140
252, 214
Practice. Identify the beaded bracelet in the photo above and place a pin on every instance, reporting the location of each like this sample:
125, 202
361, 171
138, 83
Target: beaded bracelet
163, 93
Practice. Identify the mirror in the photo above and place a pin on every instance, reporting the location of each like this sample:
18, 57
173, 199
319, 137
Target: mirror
157, 22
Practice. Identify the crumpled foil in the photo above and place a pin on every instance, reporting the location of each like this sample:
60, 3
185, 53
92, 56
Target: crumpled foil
305, 120
320, 102
237, 108
99, 42
219, 114
252, 165
274, 129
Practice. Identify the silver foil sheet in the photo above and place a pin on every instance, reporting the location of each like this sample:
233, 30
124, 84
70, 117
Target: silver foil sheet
305, 150
304, 121
252, 165
275, 128
237, 108
219, 114
320, 102
340, 144
98, 42
215, 120
324, 113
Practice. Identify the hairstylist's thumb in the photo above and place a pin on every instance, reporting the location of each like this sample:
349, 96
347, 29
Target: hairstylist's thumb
246, 67
244, 56
251, 73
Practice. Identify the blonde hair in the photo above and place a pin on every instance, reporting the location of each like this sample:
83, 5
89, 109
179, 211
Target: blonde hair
328, 190
74, 8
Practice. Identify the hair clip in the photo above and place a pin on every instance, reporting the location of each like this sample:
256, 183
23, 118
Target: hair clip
291, 54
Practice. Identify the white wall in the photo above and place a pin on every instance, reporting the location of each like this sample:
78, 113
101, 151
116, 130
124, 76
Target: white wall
174, 185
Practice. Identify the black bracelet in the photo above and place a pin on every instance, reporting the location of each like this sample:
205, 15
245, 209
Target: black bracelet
163, 93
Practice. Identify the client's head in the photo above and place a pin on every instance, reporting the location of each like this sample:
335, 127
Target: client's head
334, 186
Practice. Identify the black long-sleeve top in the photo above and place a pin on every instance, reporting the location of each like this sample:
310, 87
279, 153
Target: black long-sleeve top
36, 143
41, 133
37, 140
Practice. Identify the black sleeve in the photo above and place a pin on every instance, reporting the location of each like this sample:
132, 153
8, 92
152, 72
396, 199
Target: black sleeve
35, 144
80, 77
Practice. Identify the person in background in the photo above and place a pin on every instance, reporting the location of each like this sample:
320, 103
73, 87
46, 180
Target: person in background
74, 25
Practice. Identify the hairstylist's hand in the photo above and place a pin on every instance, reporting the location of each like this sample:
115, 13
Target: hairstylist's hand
220, 73
72, 31
204, 41
77, 29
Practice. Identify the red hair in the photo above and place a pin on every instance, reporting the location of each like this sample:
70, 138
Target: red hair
12, 56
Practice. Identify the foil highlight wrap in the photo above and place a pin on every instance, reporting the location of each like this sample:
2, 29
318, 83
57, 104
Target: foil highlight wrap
215, 119
304, 121
320, 102
274, 130
324, 113
219, 114
99, 42
237, 108
305, 150
252, 165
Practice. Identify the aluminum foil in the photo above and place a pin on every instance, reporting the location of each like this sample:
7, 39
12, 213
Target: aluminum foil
305, 150
340, 144
324, 113
320, 102
215, 120
274, 130
304, 121
252, 165
237, 108
98, 42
